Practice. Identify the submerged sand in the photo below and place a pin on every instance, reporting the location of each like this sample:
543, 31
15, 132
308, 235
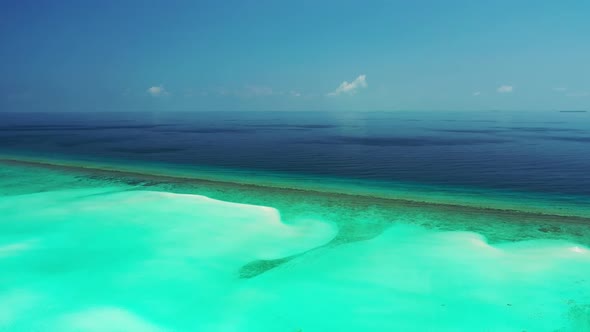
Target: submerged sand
86, 253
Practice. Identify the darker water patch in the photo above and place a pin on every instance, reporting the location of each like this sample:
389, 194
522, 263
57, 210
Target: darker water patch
212, 130
292, 126
28, 137
404, 141
550, 229
99, 140
76, 127
256, 268
538, 129
467, 131
579, 139
147, 150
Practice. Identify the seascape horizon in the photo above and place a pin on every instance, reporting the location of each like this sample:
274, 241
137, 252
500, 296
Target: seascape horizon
294, 166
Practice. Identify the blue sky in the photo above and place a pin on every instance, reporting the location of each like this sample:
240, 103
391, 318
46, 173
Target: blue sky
294, 55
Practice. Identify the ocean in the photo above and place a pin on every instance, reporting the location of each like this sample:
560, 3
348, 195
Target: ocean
295, 221
544, 152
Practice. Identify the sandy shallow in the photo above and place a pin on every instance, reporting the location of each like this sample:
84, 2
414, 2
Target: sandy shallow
111, 259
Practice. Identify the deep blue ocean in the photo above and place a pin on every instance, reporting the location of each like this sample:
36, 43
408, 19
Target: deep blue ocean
544, 152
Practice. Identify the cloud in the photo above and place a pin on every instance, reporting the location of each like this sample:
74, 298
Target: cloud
255, 91
157, 91
477, 93
578, 94
559, 89
505, 89
352, 87
295, 93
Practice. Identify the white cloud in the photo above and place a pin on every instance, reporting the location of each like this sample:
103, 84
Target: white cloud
295, 93
157, 91
505, 89
578, 94
559, 89
256, 91
352, 87
477, 93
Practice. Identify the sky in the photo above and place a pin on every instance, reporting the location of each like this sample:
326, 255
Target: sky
108, 55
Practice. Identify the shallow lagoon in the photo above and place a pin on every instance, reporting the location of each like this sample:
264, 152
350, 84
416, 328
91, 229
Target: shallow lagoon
95, 250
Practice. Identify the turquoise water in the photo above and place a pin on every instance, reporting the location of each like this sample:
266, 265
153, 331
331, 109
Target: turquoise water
551, 204
98, 250
295, 222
